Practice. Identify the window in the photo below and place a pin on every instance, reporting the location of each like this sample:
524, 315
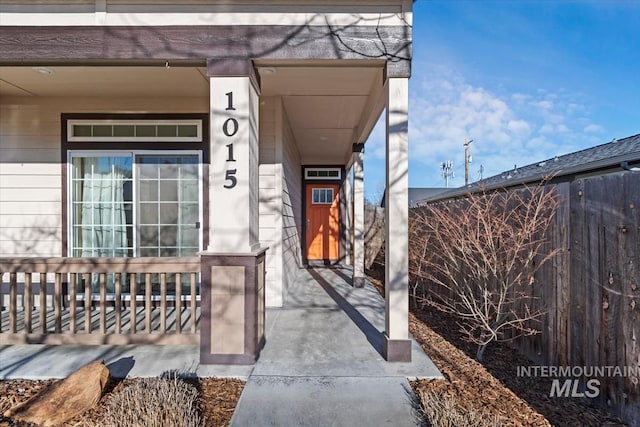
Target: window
135, 204
134, 189
127, 130
322, 196
323, 173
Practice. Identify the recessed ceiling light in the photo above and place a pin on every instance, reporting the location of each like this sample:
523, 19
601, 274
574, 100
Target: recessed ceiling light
268, 71
44, 70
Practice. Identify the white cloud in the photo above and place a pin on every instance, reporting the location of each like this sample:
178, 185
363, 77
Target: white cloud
520, 97
544, 104
445, 109
593, 128
520, 127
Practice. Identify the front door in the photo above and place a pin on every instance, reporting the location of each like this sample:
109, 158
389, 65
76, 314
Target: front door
323, 222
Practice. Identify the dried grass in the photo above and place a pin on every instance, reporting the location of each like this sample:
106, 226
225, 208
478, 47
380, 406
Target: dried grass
153, 402
441, 411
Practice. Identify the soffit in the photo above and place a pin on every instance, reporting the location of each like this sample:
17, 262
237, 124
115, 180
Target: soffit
103, 81
325, 106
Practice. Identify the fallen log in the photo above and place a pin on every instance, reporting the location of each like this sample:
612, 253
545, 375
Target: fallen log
64, 399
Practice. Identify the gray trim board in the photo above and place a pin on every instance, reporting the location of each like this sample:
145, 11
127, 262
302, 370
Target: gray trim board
31, 45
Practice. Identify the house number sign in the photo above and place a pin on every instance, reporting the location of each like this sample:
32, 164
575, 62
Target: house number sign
229, 129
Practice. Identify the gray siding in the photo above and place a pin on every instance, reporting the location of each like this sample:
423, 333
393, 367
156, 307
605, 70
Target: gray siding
291, 206
270, 199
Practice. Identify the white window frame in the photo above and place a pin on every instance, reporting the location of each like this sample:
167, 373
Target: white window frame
133, 122
134, 177
323, 178
328, 201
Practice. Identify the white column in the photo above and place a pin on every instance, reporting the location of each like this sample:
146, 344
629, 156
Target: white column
347, 214
358, 216
233, 172
397, 346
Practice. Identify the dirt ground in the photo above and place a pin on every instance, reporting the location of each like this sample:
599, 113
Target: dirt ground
218, 399
492, 388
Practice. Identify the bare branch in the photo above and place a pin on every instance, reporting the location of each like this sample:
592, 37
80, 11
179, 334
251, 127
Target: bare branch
477, 258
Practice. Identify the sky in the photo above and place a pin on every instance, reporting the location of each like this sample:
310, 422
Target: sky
525, 80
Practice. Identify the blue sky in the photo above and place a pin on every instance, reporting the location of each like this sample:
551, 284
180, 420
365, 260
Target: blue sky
526, 80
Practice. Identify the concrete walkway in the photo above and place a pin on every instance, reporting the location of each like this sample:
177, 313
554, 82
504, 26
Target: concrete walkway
322, 364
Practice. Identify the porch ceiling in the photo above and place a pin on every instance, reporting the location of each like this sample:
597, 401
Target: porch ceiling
329, 106
103, 81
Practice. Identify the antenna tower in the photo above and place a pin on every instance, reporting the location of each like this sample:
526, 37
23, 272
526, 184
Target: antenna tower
447, 172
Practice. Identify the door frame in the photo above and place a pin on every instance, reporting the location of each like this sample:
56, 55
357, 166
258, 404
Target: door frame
305, 181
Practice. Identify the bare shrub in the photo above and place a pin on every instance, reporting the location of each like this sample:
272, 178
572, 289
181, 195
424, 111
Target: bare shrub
154, 402
441, 411
373, 233
477, 258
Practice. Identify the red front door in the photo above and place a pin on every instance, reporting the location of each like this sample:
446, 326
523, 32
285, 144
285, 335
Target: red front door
323, 222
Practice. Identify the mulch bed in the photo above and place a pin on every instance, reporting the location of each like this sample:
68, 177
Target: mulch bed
491, 388
218, 399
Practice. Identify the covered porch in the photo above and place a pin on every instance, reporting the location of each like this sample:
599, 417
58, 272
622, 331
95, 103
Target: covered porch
263, 124
326, 328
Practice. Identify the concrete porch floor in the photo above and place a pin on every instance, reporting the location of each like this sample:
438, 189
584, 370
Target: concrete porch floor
322, 362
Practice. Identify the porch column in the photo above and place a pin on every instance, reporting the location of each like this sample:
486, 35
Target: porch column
358, 216
346, 228
233, 174
397, 345
232, 267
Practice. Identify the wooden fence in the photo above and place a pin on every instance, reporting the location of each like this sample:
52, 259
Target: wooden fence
99, 300
591, 290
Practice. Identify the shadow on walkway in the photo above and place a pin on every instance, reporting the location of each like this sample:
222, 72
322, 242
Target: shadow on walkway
374, 336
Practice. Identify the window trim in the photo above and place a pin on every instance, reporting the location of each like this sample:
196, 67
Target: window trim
67, 146
324, 190
308, 170
198, 122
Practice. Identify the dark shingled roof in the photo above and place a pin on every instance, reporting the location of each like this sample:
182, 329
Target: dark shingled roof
416, 194
419, 193
603, 156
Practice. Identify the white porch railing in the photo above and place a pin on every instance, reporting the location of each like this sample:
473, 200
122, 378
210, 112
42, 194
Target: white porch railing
99, 300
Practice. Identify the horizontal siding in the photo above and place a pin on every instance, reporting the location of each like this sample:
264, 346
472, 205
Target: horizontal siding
30, 170
9, 169
27, 194
210, 12
22, 182
269, 200
30, 155
291, 207
28, 209
21, 246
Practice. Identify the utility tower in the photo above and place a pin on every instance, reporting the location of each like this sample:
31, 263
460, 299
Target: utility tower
447, 171
467, 160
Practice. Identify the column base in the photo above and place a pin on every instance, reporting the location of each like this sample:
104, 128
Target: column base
232, 307
396, 350
359, 282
